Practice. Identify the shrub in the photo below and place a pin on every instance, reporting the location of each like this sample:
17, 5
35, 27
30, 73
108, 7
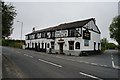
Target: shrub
13, 43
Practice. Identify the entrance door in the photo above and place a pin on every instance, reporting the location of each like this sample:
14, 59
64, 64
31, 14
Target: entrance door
28, 45
98, 46
35, 46
61, 48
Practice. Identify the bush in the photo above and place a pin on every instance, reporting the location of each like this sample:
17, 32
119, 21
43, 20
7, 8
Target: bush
13, 43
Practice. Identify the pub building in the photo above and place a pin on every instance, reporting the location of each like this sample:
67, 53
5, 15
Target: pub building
74, 38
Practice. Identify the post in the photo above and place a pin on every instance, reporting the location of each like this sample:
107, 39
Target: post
21, 30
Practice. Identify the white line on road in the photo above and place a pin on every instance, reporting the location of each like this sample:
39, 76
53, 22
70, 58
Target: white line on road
25, 54
112, 58
113, 64
83, 62
18, 52
94, 64
117, 67
50, 63
31, 56
103, 65
90, 76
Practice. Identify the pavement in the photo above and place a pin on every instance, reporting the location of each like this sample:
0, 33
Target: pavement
42, 65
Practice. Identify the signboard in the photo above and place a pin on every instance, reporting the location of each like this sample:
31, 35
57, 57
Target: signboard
86, 34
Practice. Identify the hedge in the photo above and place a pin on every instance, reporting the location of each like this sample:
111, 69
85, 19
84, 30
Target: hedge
13, 43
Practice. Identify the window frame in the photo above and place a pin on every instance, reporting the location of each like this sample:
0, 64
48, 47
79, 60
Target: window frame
86, 42
71, 45
77, 45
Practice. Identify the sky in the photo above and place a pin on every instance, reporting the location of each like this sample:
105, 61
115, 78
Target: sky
47, 14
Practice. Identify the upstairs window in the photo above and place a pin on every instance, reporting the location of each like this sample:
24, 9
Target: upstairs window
48, 45
72, 32
38, 35
43, 34
53, 34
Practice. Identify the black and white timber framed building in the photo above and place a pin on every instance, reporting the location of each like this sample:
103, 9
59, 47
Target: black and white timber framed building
68, 38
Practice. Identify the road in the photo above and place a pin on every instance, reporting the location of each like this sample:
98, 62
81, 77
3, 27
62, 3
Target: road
42, 65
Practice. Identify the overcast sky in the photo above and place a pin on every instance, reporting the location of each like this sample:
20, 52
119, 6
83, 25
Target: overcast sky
45, 14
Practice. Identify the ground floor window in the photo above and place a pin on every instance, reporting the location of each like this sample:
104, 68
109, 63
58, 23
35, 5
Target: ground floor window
28, 45
71, 45
52, 45
32, 45
38, 45
42, 45
86, 42
77, 45
48, 45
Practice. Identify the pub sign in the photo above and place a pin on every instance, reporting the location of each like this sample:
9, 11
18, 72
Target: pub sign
86, 34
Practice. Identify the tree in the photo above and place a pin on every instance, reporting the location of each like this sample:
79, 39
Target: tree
115, 29
8, 15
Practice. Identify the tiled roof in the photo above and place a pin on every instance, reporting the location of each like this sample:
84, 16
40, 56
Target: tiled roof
65, 26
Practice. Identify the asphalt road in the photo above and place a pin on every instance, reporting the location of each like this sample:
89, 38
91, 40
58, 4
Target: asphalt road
42, 65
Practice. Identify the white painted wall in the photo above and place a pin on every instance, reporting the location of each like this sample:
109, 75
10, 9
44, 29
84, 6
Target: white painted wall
95, 37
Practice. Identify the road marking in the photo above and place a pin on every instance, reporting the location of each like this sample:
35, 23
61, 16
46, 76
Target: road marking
50, 63
103, 65
113, 64
86, 62
117, 67
94, 64
31, 56
18, 52
28, 55
112, 58
83, 62
90, 76
25, 54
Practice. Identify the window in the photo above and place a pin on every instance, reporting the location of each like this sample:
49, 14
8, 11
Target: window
48, 45
77, 45
43, 34
52, 34
71, 45
28, 45
42, 45
38, 35
86, 42
26, 37
72, 32
38, 45
32, 45
52, 45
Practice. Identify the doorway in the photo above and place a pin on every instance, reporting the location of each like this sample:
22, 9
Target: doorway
61, 48
28, 45
36, 46
94, 45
